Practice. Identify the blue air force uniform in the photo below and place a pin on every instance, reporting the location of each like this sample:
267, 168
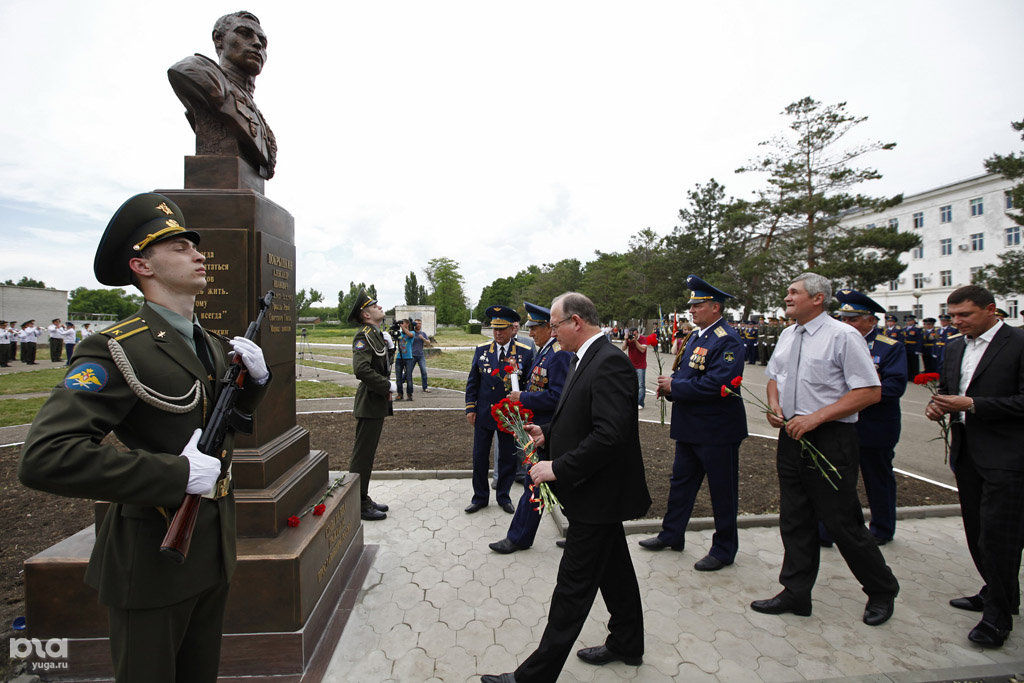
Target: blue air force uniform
487, 384
894, 332
928, 338
943, 336
544, 384
707, 429
913, 339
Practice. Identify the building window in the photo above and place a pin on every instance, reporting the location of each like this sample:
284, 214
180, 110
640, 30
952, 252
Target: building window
918, 280
946, 247
946, 213
918, 311
894, 223
978, 241
943, 308
893, 309
974, 272
919, 219
1012, 310
918, 252
977, 207
946, 278
1009, 200
1013, 236
893, 285
870, 226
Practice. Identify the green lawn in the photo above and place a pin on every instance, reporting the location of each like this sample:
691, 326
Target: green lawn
31, 382
444, 337
310, 389
452, 360
327, 366
447, 383
19, 411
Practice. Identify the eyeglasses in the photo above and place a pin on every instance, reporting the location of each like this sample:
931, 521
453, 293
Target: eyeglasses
555, 326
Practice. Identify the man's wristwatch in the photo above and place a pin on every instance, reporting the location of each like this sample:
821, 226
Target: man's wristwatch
970, 408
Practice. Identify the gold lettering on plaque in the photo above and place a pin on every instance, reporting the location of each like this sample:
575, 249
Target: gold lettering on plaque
337, 529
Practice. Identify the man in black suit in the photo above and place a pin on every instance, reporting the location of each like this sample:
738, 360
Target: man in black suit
982, 390
596, 470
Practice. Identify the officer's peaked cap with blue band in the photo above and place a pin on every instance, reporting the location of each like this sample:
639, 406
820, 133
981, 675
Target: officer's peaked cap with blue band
501, 316
852, 304
143, 220
701, 291
536, 315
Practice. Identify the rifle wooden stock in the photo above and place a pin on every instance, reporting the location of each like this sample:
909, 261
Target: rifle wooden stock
179, 534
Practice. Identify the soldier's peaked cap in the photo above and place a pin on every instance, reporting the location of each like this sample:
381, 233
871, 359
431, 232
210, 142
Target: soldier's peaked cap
701, 291
853, 303
501, 316
143, 220
536, 315
361, 302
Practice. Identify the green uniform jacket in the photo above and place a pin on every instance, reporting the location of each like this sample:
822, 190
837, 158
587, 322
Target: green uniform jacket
370, 363
63, 454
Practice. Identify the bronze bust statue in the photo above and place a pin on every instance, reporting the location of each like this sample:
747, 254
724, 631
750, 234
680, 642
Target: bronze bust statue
218, 97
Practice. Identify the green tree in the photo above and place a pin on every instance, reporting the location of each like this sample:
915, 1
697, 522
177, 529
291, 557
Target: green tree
607, 281
811, 177
85, 301
1011, 166
412, 290
347, 300
506, 291
553, 279
1007, 276
303, 301
447, 291
26, 281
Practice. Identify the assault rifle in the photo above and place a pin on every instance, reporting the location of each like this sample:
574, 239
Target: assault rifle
223, 419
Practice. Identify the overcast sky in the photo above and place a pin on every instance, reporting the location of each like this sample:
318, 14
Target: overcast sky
496, 134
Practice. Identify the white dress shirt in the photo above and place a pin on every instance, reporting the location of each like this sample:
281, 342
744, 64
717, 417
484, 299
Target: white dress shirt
583, 348
974, 349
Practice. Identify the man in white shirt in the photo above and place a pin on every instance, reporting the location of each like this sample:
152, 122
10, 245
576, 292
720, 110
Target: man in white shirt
5, 345
56, 334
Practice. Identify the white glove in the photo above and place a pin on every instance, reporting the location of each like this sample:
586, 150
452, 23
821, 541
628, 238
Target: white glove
203, 471
394, 387
388, 339
252, 358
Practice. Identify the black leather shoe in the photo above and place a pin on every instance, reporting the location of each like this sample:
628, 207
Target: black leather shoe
602, 655
475, 507
380, 506
971, 603
655, 543
560, 543
499, 678
987, 635
881, 541
504, 546
825, 544
878, 610
507, 507
782, 603
370, 513
710, 563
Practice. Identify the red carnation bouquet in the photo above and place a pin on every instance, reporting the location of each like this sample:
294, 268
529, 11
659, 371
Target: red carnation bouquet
816, 457
931, 380
511, 418
319, 507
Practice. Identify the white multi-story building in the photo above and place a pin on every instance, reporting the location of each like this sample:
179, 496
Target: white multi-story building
963, 226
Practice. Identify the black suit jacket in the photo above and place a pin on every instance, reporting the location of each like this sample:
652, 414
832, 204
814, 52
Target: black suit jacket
994, 433
594, 442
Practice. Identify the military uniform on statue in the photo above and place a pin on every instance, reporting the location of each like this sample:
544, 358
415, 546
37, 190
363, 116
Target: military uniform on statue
490, 380
152, 379
543, 389
370, 360
706, 427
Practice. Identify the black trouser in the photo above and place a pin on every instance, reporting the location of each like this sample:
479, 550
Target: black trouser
364, 449
180, 642
55, 344
806, 497
28, 352
992, 507
5, 353
596, 558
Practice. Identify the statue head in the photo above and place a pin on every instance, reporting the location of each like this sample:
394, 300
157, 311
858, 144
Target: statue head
240, 42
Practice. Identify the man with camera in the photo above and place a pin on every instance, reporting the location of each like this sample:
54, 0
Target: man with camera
404, 360
420, 339
637, 352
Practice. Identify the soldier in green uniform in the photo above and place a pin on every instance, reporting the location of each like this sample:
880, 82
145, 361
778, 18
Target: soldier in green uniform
152, 379
370, 362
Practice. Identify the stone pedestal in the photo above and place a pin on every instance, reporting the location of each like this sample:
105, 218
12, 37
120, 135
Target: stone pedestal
293, 587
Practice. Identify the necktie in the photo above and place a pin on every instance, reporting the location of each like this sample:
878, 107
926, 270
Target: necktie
792, 374
202, 350
501, 357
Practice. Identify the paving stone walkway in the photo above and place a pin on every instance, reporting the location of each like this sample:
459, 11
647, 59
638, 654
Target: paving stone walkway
438, 605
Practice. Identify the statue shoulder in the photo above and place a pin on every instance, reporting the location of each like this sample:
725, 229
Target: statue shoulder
198, 77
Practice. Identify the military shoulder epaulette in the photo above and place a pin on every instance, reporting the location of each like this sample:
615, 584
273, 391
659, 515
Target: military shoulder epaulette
720, 332
885, 340
125, 328
482, 345
522, 345
954, 336
555, 347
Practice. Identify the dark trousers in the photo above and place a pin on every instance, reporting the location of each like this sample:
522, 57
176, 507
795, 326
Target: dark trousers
403, 375
482, 439
806, 497
596, 558
912, 364
992, 507
526, 520
5, 354
364, 449
180, 642
28, 352
928, 358
880, 484
55, 344
69, 350
421, 362
721, 465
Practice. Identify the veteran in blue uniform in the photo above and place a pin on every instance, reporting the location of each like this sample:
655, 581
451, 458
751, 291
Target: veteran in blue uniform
488, 383
892, 329
544, 383
943, 335
928, 336
706, 427
913, 339
878, 425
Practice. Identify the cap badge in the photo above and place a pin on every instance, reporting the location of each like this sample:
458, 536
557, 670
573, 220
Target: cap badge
162, 206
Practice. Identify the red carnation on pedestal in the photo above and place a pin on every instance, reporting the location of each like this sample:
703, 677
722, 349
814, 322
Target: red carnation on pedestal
293, 521
319, 509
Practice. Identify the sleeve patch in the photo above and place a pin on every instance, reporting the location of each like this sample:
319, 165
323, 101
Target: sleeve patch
86, 377
359, 345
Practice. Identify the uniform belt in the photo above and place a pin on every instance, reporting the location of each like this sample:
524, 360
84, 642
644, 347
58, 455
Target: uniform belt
221, 488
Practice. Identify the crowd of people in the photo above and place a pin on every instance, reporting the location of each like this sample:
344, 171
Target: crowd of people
62, 338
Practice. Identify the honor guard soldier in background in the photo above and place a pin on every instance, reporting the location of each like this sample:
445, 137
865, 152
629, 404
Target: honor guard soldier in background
373, 397
943, 335
544, 382
706, 427
5, 345
892, 329
55, 331
1001, 314
12, 328
490, 380
29, 334
151, 379
914, 341
928, 336
878, 425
